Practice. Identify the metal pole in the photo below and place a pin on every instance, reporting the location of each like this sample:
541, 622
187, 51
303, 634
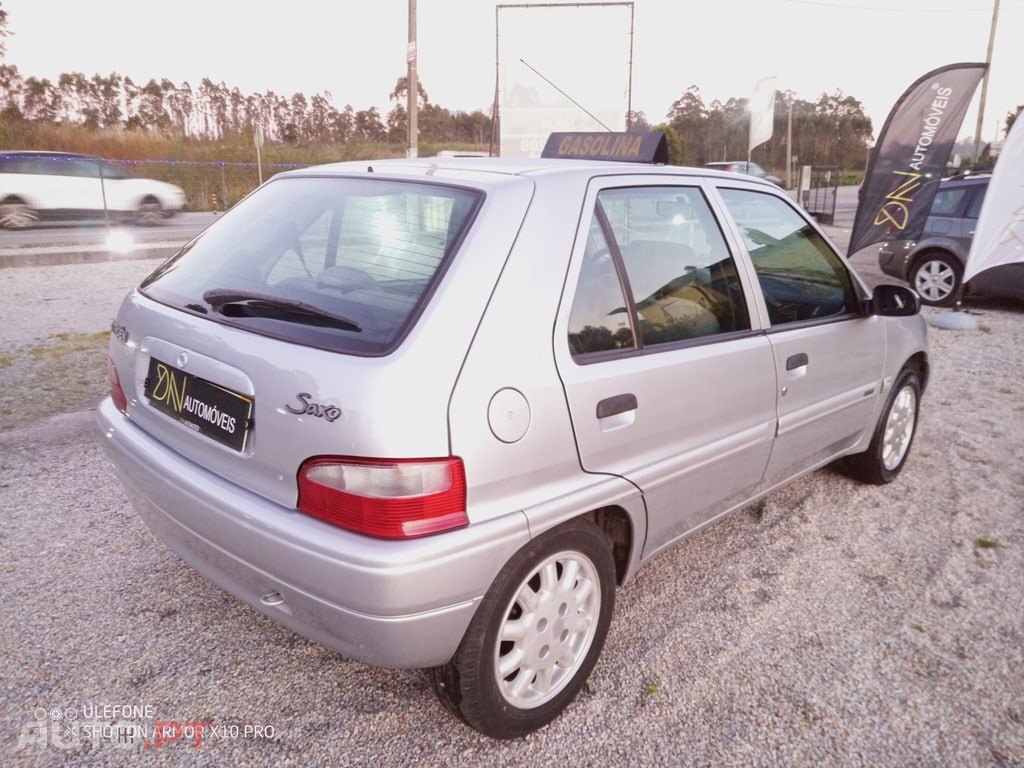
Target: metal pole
984, 82
495, 136
103, 193
413, 100
629, 92
789, 145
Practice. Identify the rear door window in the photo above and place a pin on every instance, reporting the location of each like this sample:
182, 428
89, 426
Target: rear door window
336, 263
656, 271
948, 202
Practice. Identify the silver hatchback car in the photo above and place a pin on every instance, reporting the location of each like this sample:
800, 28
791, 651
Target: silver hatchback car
432, 413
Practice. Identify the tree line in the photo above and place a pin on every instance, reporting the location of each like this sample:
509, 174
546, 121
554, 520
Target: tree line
832, 130
213, 111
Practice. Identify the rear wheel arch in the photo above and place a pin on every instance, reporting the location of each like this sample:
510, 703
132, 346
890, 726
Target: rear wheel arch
618, 530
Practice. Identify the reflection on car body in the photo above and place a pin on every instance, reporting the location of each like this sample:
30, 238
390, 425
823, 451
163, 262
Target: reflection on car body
540, 374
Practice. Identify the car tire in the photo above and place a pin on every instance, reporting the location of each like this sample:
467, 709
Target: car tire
936, 278
16, 214
149, 213
536, 635
893, 436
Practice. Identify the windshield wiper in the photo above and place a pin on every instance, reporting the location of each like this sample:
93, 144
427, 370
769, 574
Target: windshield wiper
275, 306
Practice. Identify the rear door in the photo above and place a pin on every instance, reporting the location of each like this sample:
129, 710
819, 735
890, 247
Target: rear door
668, 383
829, 359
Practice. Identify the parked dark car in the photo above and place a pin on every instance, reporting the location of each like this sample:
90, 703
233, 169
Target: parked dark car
934, 265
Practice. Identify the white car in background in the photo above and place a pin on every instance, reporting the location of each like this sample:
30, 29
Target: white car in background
62, 186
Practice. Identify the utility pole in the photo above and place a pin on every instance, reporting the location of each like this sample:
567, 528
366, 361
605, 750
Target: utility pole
413, 83
789, 142
984, 83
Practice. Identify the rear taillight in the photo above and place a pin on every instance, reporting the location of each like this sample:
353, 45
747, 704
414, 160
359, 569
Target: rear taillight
391, 499
116, 390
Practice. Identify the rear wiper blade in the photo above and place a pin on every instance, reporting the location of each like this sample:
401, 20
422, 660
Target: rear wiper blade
219, 298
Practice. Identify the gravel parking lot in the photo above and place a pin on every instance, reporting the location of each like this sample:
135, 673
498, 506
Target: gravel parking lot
832, 624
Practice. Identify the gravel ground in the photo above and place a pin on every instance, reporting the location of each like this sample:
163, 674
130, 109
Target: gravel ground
832, 624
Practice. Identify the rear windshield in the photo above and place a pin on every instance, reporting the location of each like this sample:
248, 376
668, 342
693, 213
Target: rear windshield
336, 263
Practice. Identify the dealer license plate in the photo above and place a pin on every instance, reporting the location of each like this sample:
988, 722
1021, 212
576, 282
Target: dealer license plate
201, 405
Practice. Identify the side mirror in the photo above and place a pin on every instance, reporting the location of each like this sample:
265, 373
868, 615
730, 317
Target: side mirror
894, 301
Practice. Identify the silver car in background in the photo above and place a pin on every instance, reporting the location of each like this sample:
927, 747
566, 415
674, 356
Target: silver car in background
432, 413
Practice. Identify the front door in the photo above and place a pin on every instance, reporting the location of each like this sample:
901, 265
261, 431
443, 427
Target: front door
827, 355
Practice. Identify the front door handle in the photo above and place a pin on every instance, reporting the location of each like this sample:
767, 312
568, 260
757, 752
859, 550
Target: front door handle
616, 404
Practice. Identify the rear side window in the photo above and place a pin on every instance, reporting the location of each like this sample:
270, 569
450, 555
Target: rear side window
28, 163
801, 277
336, 263
656, 271
948, 201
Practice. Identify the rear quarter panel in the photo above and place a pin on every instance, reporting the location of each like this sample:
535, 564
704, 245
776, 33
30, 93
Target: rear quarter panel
539, 473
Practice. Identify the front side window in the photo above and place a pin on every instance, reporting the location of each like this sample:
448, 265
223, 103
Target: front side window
336, 263
656, 270
974, 208
801, 277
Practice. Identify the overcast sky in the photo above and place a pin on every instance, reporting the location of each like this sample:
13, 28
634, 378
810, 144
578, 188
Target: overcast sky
357, 50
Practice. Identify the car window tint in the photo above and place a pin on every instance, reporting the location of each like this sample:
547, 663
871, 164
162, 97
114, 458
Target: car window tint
362, 250
801, 277
682, 282
78, 166
974, 207
599, 319
947, 201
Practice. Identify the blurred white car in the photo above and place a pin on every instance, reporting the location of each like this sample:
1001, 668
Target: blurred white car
61, 186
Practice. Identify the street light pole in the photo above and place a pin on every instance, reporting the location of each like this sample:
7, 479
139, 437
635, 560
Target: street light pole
984, 82
413, 83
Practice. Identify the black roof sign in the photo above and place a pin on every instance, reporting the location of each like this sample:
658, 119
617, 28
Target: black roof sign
647, 147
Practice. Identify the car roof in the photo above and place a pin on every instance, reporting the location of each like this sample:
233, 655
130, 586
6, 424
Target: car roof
480, 169
966, 178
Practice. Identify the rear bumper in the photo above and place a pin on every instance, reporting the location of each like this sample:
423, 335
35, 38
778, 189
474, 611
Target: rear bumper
893, 258
390, 603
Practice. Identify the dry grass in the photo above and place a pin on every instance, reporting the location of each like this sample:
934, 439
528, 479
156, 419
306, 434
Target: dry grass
65, 372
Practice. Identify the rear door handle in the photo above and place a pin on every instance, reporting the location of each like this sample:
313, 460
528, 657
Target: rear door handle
796, 361
616, 404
